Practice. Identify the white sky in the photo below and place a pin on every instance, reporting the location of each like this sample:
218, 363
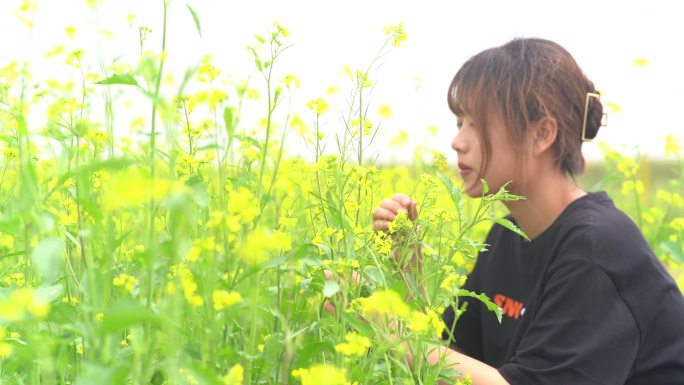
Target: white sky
604, 36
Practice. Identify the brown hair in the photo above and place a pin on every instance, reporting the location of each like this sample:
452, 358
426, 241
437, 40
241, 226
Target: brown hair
523, 81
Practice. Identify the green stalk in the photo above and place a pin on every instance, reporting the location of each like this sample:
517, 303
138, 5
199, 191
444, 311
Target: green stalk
269, 116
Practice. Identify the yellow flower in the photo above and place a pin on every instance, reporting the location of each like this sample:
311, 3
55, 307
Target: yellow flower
71, 32
125, 280
193, 254
384, 303
132, 188
318, 105
397, 34
291, 80
243, 203
613, 107
428, 323
672, 145
70, 300
223, 299
17, 279
260, 244
22, 302
5, 348
321, 374
207, 72
235, 375
356, 345
385, 111
640, 62
400, 140
188, 284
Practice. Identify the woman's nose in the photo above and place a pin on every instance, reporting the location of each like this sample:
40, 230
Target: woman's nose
458, 144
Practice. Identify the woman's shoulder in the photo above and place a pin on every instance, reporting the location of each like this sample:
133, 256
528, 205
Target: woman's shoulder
598, 233
594, 219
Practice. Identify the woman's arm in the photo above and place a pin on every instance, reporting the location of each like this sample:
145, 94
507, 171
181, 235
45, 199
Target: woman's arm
481, 373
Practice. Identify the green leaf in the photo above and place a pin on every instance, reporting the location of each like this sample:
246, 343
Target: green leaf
491, 306
364, 328
13, 254
229, 121
330, 288
511, 226
47, 258
195, 18
673, 249
453, 191
123, 79
124, 315
96, 374
485, 187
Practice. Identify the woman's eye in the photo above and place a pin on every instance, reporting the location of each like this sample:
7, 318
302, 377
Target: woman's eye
459, 124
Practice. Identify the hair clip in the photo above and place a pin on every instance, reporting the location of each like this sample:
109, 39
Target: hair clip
604, 118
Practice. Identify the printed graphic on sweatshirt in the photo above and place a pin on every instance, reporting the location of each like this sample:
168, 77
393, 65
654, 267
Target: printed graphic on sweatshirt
511, 307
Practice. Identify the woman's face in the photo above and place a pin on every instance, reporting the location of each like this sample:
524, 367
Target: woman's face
503, 165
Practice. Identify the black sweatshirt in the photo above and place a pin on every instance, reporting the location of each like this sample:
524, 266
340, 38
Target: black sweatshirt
586, 302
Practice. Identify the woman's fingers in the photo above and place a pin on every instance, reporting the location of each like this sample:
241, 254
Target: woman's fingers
384, 214
356, 278
402, 199
412, 210
389, 208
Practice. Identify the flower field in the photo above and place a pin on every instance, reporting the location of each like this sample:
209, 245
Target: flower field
191, 248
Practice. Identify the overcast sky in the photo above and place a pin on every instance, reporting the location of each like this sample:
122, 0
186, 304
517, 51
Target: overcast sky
604, 36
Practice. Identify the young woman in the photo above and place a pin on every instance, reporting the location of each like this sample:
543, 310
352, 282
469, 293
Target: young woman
585, 300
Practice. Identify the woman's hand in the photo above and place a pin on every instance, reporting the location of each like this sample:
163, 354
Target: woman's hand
329, 276
390, 208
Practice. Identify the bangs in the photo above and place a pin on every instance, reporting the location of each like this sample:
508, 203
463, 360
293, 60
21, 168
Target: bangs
471, 90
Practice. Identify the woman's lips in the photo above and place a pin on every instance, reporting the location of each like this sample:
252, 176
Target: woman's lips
465, 170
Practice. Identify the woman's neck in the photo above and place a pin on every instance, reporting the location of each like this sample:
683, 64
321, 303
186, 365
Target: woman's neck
544, 203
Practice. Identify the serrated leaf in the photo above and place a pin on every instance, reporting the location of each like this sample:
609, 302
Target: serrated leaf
482, 297
123, 79
453, 191
330, 288
195, 18
510, 226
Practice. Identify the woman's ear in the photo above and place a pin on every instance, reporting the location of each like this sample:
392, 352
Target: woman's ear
544, 132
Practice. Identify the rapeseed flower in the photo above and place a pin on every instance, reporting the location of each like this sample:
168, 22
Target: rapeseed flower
223, 299
396, 33
384, 111
132, 188
427, 323
5, 348
260, 244
355, 345
383, 303
235, 375
319, 105
672, 145
22, 302
128, 282
321, 374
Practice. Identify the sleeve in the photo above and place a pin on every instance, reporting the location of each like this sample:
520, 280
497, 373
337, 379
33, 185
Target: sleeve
583, 332
467, 331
